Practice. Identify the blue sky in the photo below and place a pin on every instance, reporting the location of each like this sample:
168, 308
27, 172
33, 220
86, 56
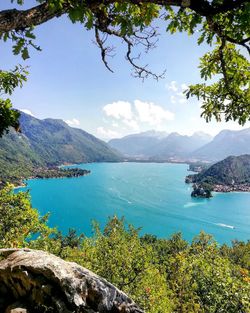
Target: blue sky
69, 81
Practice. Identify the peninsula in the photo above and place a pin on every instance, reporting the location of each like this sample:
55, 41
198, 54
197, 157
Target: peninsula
45, 173
230, 174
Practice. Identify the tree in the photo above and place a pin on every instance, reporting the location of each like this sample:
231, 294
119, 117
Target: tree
8, 82
118, 255
19, 221
222, 24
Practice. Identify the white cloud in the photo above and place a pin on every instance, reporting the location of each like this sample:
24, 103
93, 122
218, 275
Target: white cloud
107, 133
173, 99
176, 92
184, 87
151, 113
119, 110
172, 86
27, 112
73, 122
131, 117
180, 94
182, 100
132, 124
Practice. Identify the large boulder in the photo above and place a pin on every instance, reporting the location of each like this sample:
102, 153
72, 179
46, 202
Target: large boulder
42, 282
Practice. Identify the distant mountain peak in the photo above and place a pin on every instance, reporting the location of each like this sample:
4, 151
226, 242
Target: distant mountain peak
201, 133
159, 145
148, 133
227, 142
174, 134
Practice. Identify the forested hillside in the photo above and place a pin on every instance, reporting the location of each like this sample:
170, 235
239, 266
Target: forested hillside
46, 143
232, 170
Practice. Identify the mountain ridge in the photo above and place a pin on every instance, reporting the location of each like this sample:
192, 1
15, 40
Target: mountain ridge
224, 144
150, 146
48, 143
174, 146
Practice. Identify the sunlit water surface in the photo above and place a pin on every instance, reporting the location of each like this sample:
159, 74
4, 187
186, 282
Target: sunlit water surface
149, 195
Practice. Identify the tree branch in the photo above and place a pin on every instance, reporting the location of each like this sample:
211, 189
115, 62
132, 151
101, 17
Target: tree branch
217, 29
205, 8
242, 43
20, 19
104, 50
223, 63
140, 71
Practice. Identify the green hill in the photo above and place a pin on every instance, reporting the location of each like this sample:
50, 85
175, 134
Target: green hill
232, 170
46, 143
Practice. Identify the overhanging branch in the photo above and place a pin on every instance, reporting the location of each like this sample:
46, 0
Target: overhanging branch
21, 19
14, 19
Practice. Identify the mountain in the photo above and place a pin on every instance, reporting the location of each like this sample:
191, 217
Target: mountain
55, 142
230, 171
137, 144
16, 158
48, 142
226, 143
179, 146
159, 146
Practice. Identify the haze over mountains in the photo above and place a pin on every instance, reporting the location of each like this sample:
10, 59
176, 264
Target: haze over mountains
159, 146
137, 144
226, 143
199, 146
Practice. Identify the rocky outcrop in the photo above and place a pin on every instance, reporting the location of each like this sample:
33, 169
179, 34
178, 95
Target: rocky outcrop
201, 191
41, 282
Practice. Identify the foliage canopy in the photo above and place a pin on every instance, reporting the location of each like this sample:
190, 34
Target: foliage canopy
161, 275
19, 221
224, 25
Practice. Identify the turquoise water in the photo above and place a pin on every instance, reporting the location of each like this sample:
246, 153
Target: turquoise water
150, 195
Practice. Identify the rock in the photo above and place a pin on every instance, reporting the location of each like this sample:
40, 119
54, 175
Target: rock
200, 191
188, 179
46, 283
15, 310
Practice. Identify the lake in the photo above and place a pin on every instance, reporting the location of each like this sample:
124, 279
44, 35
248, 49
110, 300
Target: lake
149, 195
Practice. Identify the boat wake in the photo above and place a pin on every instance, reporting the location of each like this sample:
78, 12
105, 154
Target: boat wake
225, 225
192, 204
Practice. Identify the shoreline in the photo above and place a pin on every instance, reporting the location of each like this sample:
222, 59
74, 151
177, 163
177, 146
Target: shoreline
20, 186
129, 161
200, 192
52, 173
231, 188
